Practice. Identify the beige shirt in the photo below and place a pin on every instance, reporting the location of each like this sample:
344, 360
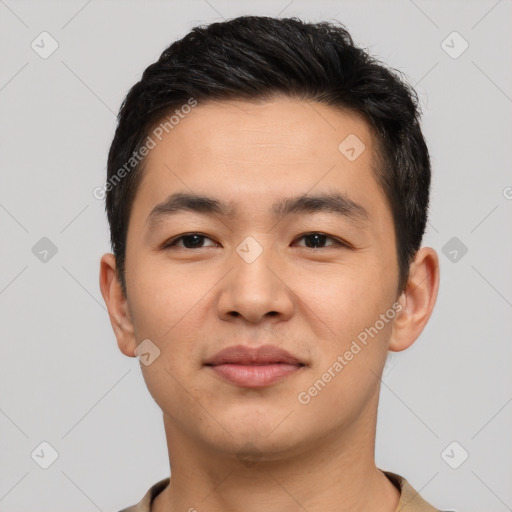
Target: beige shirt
410, 500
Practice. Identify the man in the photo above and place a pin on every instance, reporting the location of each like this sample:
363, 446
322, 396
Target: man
267, 194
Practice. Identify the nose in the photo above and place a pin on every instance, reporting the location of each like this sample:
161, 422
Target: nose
255, 289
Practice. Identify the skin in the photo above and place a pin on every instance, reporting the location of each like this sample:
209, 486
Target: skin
313, 302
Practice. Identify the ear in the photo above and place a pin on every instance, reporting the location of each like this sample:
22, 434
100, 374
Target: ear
117, 305
417, 300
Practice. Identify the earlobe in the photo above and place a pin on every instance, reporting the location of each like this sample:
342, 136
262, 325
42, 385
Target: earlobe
417, 300
117, 305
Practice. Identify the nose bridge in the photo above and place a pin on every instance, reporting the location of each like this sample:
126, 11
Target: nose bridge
252, 261
252, 264
252, 289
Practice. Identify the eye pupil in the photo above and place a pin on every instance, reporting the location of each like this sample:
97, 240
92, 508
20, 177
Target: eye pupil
197, 239
318, 239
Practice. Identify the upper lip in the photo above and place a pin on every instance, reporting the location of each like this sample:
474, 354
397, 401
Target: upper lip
243, 355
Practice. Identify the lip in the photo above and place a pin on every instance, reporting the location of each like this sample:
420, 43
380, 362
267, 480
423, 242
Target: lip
254, 367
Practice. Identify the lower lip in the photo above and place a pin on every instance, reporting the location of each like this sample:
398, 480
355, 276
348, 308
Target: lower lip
255, 376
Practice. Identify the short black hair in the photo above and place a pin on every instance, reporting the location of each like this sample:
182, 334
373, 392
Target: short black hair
256, 58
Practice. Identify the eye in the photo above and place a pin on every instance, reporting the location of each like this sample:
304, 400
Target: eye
316, 240
189, 241
197, 241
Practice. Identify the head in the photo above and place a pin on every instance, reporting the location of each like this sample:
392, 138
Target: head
257, 135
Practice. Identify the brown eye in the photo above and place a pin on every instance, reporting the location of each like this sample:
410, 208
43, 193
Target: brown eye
318, 240
189, 241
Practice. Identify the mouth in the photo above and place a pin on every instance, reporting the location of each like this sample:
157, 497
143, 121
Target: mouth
254, 368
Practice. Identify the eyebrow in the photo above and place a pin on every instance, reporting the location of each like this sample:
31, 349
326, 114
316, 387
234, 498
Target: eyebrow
337, 203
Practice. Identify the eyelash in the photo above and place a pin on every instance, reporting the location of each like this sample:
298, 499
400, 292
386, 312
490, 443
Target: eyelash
173, 241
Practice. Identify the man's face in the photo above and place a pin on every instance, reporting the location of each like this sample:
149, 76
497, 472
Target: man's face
282, 286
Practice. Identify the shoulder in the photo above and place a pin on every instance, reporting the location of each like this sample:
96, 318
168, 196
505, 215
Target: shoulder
410, 499
144, 505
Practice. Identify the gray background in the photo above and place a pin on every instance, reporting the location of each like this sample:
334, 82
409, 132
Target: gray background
63, 379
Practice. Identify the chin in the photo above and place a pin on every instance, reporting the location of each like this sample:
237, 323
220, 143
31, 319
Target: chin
266, 436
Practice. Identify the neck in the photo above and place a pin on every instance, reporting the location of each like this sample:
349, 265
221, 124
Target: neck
337, 473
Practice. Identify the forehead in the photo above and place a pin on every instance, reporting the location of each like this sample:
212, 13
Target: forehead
254, 153
284, 128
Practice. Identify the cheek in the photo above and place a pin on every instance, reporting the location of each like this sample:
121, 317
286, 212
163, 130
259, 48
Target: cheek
344, 311
167, 308
162, 299
345, 378
345, 298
